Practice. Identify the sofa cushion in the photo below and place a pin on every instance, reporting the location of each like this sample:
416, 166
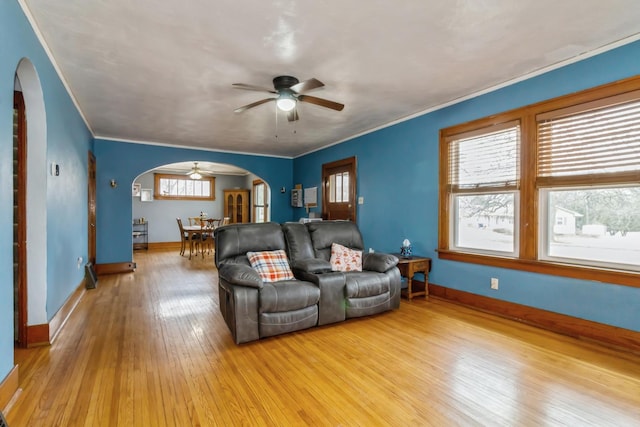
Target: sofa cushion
298, 241
365, 284
325, 233
235, 240
288, 295
272, 266
345, 259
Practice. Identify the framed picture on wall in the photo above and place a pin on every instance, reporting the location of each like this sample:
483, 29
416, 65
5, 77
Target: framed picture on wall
135, 190
146, 195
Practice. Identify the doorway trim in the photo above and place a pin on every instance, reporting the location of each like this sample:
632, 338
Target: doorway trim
346, 210
36, 205
20, 218
91, 208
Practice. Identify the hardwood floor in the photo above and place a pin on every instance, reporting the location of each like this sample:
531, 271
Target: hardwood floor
151, 349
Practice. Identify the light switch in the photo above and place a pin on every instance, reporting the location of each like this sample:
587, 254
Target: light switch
361, 200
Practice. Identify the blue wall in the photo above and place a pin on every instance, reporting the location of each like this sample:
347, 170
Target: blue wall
397, 171
398, 178
68, 141
125, 161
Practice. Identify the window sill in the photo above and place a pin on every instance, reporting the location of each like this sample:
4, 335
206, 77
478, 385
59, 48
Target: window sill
545, 267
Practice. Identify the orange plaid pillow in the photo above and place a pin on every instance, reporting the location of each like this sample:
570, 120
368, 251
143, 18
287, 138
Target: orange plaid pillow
345, 259
272, 266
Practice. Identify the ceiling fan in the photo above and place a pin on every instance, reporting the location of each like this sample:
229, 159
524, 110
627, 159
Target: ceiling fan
289, 90
195, 172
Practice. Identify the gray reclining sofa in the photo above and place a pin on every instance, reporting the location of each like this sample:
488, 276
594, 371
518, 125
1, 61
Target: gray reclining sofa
254, 309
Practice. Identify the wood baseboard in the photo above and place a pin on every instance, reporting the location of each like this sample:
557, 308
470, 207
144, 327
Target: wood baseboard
8, 387
610, 336
45, 334
60, 318
37, 335
115, 268
164, 245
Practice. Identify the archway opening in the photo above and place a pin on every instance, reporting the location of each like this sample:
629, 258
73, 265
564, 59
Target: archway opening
167, 192
31, 217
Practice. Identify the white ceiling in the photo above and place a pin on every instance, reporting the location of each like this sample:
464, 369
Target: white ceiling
206, 168
161, 70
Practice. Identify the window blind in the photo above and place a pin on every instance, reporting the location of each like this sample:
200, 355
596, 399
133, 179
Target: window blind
591, 139
486, 159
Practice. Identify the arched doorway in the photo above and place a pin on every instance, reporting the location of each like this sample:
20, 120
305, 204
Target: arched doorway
160, 213
30, 217
19, 218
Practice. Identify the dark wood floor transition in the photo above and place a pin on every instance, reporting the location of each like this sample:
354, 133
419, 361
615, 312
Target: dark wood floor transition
150, 349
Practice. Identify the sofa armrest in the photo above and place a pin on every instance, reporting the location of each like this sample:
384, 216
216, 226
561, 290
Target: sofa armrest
379, 262
239, 274
312, 265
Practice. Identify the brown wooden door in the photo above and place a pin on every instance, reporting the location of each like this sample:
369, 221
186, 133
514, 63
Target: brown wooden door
20, 219
92, 209
339, 189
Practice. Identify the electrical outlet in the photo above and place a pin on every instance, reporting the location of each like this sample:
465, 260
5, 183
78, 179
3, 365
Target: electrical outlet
79, 262
494, 283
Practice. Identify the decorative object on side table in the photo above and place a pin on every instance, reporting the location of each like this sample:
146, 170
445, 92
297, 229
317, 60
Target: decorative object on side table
405, 249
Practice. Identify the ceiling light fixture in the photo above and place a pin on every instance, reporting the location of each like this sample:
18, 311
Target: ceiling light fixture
286, 102
195, 172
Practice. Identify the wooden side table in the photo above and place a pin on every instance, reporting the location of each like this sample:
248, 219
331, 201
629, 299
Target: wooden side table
409, 266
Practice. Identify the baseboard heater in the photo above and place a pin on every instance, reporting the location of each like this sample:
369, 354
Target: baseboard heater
90, 276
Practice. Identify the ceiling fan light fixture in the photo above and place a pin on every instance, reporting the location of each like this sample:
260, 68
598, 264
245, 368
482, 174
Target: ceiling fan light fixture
195, 172
285, 102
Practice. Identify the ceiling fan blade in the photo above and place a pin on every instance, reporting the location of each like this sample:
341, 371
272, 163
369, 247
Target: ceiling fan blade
252, 87
306, 85
321, 102
253, 104
292, 115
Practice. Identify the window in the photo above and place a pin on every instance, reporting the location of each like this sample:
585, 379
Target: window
339, 187
483, 184
181, 187
552, 187
259, 201
588, 157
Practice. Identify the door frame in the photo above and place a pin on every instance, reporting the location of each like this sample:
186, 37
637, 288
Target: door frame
349, 164
91, 209
18, 103
254, 206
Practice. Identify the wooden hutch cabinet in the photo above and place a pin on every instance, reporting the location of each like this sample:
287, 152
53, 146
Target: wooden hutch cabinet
236, 205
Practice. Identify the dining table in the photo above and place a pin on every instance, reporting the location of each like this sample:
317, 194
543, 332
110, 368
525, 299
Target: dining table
195, 232
204, 231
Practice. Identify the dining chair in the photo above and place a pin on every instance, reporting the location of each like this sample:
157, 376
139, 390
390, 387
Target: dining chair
183, 236
214, 222
195, 220
192, 238
207, 239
